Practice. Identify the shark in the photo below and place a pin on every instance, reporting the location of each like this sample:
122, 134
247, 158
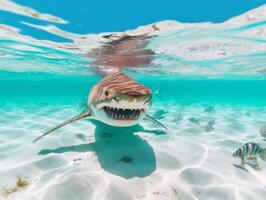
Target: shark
117, 100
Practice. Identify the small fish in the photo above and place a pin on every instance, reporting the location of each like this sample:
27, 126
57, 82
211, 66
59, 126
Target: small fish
248, 114
209, 109
157, 91
160, 114
193, 120
179, 117
158, 94
250, 151
209, 126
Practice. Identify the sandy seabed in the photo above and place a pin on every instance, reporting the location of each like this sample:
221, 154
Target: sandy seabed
192, 160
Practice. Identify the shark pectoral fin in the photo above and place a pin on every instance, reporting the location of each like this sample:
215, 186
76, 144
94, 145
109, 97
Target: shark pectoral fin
147, 117
73, 119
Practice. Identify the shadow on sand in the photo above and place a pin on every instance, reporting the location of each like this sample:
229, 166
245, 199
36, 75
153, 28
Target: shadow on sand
119, 150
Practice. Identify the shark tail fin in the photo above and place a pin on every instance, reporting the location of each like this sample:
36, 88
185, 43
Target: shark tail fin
147, 117
263, 154
73, 119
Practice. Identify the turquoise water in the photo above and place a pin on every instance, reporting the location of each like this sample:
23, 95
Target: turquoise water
30, 88
208, 83
207, 120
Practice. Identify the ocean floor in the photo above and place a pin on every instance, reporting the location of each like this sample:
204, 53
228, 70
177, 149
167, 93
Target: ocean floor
208, 83
88, 160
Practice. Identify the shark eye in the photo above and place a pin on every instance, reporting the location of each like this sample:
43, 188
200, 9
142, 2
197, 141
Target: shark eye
106, 93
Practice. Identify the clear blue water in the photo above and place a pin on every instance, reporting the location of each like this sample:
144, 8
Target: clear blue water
208, 83
39, 88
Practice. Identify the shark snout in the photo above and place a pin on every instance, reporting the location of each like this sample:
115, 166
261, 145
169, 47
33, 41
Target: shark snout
123, 109
126, 101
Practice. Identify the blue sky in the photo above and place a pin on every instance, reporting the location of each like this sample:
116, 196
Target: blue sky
87, 16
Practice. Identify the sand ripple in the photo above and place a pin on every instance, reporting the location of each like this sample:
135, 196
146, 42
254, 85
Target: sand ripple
92, 161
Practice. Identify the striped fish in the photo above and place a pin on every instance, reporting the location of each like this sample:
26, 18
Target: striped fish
117, 100
250, 151
209, 126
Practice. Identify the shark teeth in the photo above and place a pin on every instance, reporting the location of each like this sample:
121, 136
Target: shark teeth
122, 114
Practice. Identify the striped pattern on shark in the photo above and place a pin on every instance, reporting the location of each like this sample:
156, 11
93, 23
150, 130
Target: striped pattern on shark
117, 83
117, 100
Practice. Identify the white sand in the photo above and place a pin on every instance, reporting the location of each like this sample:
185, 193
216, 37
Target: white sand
95, 163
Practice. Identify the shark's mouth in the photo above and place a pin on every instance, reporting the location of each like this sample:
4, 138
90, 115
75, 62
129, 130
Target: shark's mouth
122, 114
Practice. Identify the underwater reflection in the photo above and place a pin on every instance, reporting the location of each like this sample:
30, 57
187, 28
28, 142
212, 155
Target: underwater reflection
119, 150
122, 51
